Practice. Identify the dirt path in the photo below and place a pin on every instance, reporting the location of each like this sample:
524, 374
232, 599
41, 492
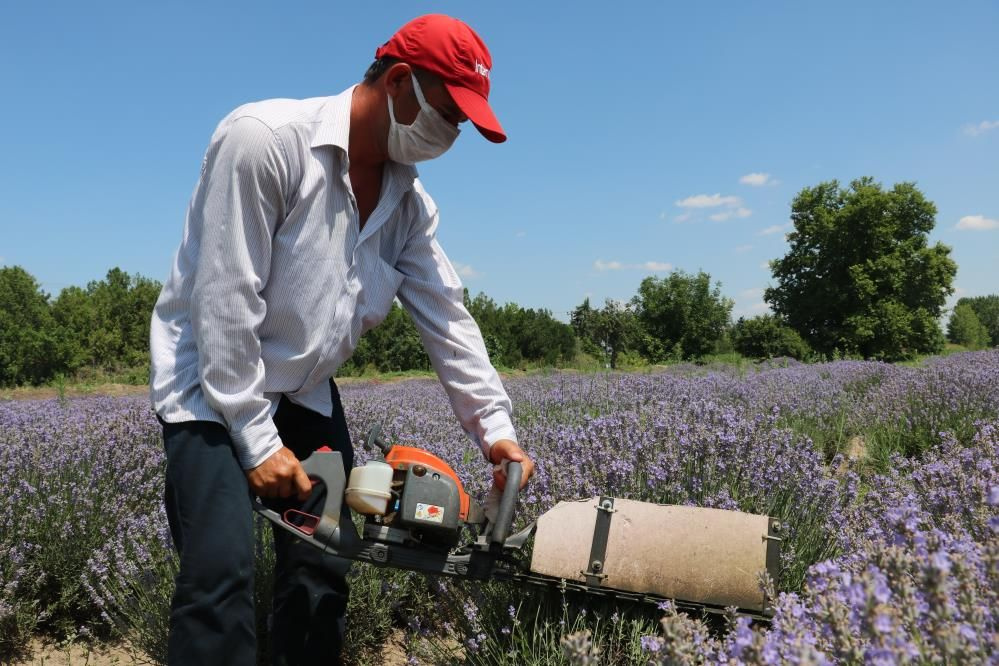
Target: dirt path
49, 654
49, 392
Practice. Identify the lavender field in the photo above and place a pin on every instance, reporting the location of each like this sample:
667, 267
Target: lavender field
885, 476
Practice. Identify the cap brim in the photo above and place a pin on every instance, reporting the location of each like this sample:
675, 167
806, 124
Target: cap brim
475, 106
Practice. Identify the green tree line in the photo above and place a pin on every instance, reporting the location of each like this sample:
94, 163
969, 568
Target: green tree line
514, 337
101, 327
859, 279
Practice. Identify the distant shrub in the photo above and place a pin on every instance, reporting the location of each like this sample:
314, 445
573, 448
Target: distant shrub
966, 329
766, 336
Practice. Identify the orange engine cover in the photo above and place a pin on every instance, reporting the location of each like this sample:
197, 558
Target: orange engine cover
404, 457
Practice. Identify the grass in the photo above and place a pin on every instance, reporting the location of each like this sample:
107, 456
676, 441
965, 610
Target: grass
133, 380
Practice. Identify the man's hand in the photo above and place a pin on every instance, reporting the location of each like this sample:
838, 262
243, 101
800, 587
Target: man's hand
507, 449
281, 475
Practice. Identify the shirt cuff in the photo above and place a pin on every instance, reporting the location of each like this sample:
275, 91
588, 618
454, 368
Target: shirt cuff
495, 427
256, 444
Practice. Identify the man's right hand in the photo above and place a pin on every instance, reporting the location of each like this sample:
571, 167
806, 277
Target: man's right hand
281, 475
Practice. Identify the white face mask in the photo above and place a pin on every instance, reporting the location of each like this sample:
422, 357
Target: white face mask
428, 137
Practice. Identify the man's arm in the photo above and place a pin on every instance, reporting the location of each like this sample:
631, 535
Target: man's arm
432, 294
237, 206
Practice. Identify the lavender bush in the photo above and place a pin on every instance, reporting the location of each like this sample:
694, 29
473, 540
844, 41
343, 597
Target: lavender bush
75, 475
920, 580
890, 556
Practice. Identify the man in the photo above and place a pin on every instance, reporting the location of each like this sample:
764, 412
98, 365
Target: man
307, 221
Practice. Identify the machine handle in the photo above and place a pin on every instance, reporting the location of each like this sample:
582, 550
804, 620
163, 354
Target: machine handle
322, 466
375, 440
508, 502
327, 467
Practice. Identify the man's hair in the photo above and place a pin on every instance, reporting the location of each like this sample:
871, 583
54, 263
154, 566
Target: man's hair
378, 68
382, 65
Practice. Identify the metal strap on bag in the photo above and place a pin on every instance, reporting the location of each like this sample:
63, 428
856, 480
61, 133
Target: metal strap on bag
774, 542
598, 548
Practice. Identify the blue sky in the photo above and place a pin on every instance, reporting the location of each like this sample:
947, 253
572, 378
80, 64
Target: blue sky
644, 136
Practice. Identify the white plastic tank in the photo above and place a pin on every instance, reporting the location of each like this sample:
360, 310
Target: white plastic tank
369, 489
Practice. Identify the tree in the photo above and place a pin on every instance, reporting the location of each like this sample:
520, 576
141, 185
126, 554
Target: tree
392, 346
615, 329
608, 332
27, 332
859, 277
399, 345
76, 323
495, 327
766, 336
106, 325
681, 315
987, 310
964, 328
582, 320
514, 335
541, 338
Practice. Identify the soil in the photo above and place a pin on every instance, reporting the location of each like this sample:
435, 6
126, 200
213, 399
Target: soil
46, 653
394, 652
856, 451
50, 392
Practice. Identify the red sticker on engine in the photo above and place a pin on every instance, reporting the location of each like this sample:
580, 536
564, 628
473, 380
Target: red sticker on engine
430, 513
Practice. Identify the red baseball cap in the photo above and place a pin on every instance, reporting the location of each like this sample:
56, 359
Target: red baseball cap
450, 49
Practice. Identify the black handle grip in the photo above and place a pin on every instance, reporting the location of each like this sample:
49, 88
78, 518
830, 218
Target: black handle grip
375, 440
508, 502
326, 467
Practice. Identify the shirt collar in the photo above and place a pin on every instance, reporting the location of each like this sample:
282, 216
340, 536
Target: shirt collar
334, 123
334, 130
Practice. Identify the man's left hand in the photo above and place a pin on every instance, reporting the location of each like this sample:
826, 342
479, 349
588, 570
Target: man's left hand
507, 449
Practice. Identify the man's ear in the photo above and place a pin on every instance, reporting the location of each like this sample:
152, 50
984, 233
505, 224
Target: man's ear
396, 78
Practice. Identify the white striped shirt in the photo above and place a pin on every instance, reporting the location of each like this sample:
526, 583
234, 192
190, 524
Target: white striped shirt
274, 281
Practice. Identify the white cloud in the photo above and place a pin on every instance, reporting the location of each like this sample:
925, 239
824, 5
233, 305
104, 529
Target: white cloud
728, 214
654, 266
520, 234
602, 265
743, 248
466, 271
751, 310
758, 179
976, 223
682, 217
981, 128
773, 229
765, 265
709, 201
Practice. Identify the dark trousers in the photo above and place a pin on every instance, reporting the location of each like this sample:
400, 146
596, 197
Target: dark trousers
208, 504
